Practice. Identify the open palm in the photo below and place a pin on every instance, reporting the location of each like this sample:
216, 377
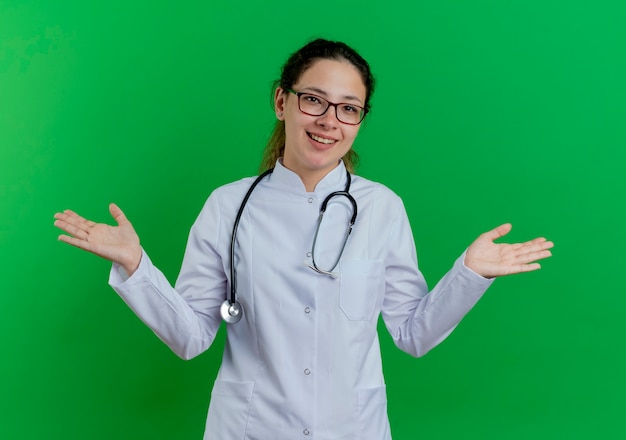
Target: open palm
491, 259
119, 244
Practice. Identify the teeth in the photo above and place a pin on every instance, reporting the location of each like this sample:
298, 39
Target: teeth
321, 139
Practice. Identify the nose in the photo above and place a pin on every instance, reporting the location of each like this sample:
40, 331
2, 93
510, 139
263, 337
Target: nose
329, 117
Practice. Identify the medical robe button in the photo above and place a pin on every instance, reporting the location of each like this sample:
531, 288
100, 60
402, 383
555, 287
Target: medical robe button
308, 254
310, 200
307, 371
306, 432
307, 310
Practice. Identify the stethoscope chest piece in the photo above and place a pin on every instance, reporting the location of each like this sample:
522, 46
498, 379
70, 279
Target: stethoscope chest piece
231, 312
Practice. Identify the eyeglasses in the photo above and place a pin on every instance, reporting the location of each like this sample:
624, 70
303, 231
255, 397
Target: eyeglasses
316, 106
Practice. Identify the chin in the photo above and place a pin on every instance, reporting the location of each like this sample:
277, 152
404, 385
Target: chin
324, 163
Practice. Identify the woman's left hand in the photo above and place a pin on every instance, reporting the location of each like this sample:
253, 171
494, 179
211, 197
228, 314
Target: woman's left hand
490, 259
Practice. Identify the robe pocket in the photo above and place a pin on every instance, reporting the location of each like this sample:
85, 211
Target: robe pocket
362, 284
228, 410
373, 414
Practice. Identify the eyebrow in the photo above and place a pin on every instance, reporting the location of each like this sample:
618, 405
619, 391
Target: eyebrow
324, 94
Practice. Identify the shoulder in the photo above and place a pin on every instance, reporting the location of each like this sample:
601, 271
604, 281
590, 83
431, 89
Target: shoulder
368, 190
232, 189
381, 212
226, 199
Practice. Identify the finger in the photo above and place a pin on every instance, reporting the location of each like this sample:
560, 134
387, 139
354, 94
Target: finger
79, 243
117, 214
533, 256
521, 268
538, 240
70, 217
535, 246
76, 242
72, 229
498, 232
78, 218
544, 244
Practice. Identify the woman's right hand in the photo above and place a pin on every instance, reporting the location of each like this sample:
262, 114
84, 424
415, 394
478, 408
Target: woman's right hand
119, 244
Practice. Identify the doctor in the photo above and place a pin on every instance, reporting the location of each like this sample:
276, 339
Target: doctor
304, 360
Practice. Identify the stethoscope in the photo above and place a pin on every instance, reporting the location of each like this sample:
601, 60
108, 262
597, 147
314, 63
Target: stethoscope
231, 309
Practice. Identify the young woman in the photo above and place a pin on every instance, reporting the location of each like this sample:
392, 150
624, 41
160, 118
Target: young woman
302, 292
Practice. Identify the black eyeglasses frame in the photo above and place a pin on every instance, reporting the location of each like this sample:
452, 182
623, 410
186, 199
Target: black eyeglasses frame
364, 111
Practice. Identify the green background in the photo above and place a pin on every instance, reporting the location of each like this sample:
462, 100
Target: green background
486, 112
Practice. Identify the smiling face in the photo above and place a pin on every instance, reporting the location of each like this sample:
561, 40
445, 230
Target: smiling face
315, 144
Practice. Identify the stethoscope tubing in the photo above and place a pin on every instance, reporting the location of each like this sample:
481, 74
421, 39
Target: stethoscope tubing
347, 194
233, 278
231, 310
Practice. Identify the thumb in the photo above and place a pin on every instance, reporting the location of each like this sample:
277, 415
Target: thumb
117, 214
498, 232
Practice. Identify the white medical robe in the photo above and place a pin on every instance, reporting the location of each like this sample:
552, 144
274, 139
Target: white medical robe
304, 362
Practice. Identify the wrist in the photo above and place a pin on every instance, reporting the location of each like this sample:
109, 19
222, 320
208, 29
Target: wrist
471, 265
132, 264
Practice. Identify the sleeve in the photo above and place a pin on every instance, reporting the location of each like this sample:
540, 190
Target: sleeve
186, 317
417, 319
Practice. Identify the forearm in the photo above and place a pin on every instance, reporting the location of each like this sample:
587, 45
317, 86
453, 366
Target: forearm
150, 295
433, 316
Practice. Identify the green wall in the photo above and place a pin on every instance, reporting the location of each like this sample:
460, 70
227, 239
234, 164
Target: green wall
486, 112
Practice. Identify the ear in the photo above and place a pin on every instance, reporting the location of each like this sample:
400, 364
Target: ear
279, 103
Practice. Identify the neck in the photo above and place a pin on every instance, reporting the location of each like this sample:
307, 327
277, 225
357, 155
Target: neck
310, 178
310, 182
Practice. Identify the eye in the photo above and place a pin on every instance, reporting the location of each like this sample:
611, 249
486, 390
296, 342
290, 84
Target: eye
350, 109
311, 99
